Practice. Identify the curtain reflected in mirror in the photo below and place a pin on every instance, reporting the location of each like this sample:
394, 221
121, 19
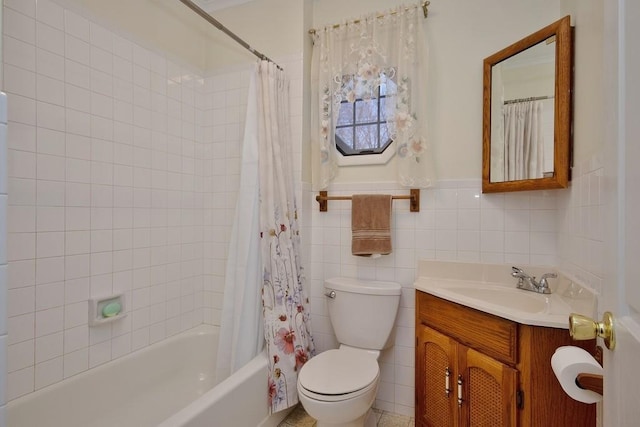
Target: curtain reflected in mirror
523, 140
522, 124
527, 112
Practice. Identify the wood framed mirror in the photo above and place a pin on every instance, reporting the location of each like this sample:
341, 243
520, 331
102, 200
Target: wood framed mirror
528, 111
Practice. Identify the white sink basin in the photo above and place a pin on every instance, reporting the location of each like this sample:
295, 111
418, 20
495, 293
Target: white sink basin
515, 299
509, 302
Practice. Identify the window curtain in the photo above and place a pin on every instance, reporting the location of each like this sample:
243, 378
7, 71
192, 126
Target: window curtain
285, 304
524, 142
391, 46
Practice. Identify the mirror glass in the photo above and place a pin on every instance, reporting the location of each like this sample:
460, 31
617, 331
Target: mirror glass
522, 126
527, 112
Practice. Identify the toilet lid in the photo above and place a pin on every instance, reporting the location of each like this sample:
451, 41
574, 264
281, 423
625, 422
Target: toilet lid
338, 372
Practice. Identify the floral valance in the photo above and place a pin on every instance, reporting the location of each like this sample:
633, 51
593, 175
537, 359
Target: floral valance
376, 55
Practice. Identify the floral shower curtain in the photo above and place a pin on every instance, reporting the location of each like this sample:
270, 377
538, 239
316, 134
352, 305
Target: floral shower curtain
285, 305
349, 62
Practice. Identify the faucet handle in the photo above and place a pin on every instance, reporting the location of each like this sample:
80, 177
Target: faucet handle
543, 280
517, 272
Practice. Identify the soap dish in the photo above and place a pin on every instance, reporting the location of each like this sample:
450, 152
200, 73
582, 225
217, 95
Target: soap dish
106, 309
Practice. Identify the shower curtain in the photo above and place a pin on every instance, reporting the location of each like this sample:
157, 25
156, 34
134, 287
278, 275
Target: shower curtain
264, 296
285, 305
523, 140
241, 336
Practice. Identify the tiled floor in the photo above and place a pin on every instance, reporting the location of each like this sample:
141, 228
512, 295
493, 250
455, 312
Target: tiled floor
299, 418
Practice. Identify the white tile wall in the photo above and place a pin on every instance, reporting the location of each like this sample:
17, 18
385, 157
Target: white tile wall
3, 255
224, 103
124, 168
4, 201
456, 222
105, 164
581, 224
123, 171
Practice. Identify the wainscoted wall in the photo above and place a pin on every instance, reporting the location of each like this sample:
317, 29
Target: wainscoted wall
563, 228
456, 222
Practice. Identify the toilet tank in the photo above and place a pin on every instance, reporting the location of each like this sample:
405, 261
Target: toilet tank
362, 312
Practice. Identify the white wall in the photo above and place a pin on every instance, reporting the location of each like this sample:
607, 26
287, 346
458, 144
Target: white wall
105, 193
164, 25
589, 77
172, 28
456, 222
459, 36
273, 27
582, 218
225, 108
124, 167
581, 223
3, 251
223, 129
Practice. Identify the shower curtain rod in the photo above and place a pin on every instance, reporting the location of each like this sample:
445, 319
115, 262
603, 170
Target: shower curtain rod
191, 5
533, 98
425, 10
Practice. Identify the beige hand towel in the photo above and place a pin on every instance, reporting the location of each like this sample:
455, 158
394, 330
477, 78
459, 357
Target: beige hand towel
371, 224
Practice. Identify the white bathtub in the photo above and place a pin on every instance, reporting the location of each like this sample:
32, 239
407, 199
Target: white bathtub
168, 384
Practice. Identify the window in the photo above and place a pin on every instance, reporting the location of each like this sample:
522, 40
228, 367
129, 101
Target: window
361, 128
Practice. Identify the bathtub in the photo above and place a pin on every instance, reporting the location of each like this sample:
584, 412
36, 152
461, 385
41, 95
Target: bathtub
168, 384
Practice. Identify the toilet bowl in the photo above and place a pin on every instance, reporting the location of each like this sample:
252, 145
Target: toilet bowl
338, 387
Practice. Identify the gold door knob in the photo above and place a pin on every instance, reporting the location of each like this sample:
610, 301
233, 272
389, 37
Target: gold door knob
584, 328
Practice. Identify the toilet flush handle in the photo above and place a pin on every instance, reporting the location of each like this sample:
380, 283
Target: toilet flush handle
331, 294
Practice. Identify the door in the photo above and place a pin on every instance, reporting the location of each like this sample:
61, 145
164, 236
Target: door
436, 379
489, 390
621, 290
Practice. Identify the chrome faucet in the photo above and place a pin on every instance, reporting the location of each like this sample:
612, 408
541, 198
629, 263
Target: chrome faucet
529, 283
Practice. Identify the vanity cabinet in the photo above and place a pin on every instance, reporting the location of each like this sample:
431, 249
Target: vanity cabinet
477, 369
460, 386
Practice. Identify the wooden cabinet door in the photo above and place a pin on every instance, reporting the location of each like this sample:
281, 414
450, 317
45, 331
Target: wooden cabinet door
436, 357
489, 390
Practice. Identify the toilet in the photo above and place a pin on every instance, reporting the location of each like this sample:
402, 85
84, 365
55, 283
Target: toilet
338, 387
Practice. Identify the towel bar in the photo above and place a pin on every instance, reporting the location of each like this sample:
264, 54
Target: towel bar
413, 197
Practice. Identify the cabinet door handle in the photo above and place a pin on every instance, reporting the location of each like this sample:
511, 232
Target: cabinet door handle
447, 384
459, 390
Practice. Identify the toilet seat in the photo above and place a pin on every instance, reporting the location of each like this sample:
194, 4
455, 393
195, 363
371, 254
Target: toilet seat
337, 375
337, 397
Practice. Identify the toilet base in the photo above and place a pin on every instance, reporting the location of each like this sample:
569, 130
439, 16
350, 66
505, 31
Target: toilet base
340, 410
367, 420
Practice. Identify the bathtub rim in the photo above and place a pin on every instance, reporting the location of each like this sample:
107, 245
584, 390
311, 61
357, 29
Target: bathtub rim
187, 414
